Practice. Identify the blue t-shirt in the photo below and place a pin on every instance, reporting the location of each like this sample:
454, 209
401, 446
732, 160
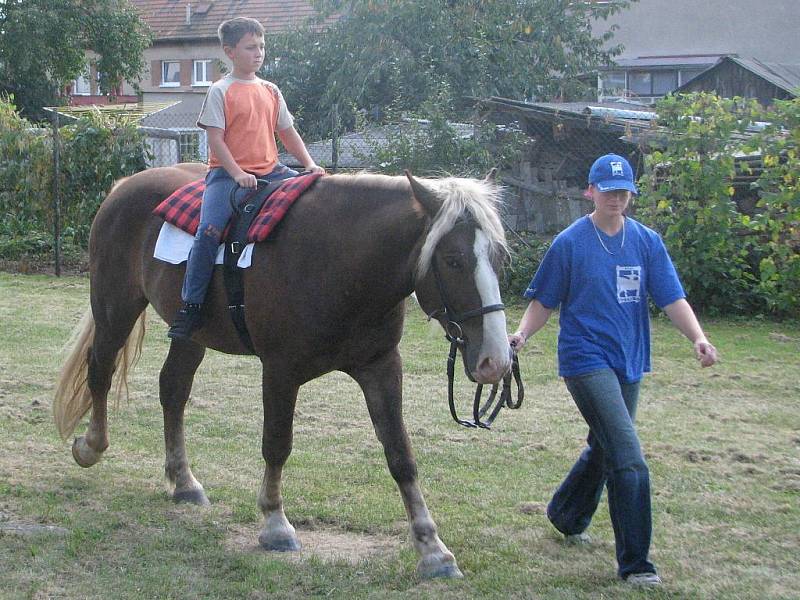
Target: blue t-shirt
604, 315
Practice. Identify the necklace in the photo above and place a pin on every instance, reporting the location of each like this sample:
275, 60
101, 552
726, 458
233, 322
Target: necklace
599, 239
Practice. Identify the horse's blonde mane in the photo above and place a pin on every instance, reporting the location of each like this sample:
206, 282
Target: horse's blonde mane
460, 197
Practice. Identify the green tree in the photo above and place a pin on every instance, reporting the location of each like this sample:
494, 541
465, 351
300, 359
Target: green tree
44, 45
400, 53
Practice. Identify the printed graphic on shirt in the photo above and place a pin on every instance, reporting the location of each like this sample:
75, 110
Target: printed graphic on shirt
628, 284
616, 169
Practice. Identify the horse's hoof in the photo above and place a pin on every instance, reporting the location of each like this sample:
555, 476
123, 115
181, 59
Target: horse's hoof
434, 569
192, 496
83, 454
282, 544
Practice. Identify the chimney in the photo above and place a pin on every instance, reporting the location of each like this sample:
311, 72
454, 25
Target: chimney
188, 14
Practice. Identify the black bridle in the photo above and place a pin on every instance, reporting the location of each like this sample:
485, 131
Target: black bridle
455, 335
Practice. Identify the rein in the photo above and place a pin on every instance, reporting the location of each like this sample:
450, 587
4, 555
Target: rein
454, 334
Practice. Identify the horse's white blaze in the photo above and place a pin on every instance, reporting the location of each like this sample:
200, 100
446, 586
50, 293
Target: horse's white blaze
495, 338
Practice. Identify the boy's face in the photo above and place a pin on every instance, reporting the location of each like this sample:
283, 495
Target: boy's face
248, 55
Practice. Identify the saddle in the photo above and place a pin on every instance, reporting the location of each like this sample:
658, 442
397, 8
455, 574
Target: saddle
254, 218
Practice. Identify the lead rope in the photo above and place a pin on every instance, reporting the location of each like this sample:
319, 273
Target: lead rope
479, 411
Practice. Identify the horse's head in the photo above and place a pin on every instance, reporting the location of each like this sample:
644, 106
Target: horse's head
458, 267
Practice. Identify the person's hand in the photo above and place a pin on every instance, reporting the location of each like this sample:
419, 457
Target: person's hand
517, 341
314, 168
705, 352
246, 180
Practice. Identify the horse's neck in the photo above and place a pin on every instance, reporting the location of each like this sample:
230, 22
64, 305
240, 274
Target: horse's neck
389, 233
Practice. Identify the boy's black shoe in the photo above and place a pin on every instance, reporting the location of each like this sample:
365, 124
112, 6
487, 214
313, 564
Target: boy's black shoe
186, 320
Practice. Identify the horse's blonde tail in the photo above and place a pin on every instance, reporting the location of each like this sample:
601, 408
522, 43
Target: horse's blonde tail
72, 397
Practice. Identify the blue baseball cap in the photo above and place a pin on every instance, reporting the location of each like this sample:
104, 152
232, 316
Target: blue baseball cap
612, 172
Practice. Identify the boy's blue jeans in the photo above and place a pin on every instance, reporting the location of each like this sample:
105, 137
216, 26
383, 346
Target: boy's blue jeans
215, 212
612, 458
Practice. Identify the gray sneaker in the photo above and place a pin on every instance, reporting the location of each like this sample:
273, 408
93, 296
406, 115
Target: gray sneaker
643, 579
578, 539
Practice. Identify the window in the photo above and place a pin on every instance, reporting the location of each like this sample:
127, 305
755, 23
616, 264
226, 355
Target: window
190, 147
640, 82
202, 72
170, 73
81, 87
612, 84
664, 82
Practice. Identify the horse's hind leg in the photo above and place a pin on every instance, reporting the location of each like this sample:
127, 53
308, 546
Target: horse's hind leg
175, 383
382, 383
276, 445
112, 330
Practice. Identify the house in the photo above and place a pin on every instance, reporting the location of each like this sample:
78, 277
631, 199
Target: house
669, 42
749, 78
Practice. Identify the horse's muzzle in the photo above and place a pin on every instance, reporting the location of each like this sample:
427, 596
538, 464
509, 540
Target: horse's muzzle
490, 370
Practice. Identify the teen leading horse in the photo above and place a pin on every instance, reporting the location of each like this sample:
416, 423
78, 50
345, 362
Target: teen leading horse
326, 292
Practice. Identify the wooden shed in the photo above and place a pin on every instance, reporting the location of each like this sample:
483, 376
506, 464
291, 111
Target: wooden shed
546, 187
749, 78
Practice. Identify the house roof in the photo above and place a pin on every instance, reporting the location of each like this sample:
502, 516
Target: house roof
783, 76
694, 61
171, 19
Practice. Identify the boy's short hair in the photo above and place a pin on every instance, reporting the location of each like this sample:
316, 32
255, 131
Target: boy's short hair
233, 30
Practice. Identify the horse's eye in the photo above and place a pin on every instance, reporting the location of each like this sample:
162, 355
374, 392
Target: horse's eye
453, 262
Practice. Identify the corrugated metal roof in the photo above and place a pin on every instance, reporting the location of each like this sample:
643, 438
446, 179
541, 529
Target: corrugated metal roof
693, 61
129, 111
171, 20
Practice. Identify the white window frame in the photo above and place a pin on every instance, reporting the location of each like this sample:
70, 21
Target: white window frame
206, 65
164, 64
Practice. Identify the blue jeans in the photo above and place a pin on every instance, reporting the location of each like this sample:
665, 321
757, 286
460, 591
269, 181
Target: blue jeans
613, 457
215, 212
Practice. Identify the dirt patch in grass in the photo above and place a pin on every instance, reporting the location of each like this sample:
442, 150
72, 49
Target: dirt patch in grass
327, 544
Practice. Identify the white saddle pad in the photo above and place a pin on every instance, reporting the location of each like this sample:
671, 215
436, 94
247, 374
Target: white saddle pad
173, 245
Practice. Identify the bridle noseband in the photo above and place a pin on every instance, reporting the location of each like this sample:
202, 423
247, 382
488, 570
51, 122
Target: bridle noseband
455, 335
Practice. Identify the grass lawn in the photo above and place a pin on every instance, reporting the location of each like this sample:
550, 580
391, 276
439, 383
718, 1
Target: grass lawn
723, 446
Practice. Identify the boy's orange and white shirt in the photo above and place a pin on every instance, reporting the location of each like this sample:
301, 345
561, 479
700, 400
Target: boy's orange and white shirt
249, 111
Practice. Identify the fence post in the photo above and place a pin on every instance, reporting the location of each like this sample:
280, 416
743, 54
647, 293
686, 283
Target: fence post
334, 137
56, 195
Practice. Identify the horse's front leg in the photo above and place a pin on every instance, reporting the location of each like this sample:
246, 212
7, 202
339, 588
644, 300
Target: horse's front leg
175, 384
382, 383
276, 445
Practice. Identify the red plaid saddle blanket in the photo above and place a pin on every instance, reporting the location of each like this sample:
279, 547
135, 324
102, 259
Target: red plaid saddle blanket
182, 207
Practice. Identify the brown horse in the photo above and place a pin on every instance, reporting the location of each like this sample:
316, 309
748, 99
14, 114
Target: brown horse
326, 292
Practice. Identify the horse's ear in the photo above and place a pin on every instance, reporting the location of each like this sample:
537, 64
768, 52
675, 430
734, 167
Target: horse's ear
491, 176
429, 201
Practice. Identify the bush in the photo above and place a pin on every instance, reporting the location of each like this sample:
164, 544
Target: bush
527, 252
729, 262
95, 152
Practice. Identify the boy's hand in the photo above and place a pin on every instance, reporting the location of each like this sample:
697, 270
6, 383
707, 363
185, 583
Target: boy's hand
246, 180
314, 168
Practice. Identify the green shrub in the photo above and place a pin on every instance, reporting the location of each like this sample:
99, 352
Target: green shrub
527, 251
729, 262
94, 151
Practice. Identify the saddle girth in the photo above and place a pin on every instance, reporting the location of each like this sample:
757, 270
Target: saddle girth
243, 216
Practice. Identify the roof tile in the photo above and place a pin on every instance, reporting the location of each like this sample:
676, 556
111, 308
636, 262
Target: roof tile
168, 18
